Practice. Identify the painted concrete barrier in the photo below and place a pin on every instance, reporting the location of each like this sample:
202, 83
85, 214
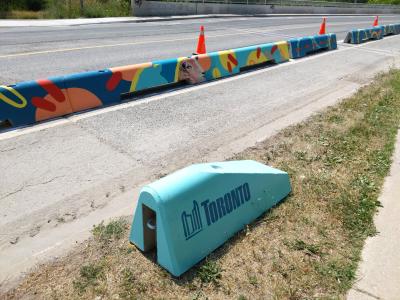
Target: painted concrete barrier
391, 29
358, 36
29, 102
188, 214
301, 47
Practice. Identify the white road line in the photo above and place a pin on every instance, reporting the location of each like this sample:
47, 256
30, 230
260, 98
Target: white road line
81, 116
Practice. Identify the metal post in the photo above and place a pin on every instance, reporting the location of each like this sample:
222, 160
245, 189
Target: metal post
81, 6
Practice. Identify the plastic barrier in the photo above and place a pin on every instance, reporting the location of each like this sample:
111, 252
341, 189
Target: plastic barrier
20, 104
391, 29
188, 214
357, 36
33, 101
301, 47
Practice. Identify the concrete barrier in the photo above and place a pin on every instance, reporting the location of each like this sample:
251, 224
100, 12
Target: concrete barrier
358, 36
30, 102
188, 214
391, 29
301, 47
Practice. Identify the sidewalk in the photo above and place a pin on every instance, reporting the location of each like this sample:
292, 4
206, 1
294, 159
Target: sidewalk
379, 272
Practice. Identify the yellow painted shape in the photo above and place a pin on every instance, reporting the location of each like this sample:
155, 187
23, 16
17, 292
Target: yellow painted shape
178, 63
223, 58
135, 79
216, 73
283, 47
12, 102
252, 59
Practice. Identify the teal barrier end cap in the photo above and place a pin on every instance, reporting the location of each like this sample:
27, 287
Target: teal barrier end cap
188, 214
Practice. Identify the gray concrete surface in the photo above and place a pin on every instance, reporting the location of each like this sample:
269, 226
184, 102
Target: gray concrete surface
61, 177
162, 8
28, 53
379, 273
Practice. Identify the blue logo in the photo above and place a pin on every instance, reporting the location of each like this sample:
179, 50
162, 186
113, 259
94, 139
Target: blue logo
192, 224
216, 210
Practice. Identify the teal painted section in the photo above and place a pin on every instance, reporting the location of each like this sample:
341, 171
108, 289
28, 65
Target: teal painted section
358, 36
392, 29
200, 207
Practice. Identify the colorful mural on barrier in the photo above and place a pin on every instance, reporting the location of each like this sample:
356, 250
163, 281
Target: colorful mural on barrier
29, 102
391, 29
300, 47
357, 36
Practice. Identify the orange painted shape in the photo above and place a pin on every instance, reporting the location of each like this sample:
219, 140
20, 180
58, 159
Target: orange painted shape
128, 72
52, 107
204, 61
82, 99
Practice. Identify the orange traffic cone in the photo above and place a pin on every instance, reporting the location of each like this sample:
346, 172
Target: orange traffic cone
323, 26
201, 44
376, 21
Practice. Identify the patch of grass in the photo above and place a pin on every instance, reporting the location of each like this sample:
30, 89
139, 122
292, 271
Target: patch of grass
210, 271
116, 229
308, 247
88, 277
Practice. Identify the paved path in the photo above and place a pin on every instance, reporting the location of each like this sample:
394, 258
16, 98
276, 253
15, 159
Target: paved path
379, 272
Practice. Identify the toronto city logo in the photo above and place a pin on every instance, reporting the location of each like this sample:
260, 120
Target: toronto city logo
192, 224
214, 210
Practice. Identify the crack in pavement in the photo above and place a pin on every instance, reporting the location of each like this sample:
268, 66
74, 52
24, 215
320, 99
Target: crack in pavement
28, 186
367, 293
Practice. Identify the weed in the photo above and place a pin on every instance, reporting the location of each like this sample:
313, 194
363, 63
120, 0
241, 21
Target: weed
210, 271
113, 230
89, 276
300, 245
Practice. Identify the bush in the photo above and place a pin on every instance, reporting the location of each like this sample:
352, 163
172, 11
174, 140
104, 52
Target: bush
5, 6
35, 5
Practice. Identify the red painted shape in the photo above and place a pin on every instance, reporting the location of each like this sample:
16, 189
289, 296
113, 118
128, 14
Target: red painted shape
273, 49
43, 104
113, 82
258, 52
306, 46
232, 59
52, 89
229, 67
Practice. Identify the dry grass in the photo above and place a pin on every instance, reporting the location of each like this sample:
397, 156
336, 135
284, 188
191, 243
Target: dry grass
306, 248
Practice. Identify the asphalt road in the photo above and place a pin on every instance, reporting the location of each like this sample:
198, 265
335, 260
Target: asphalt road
61, 177
30, 53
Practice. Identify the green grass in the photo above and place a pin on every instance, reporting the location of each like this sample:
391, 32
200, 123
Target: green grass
308, 247
210, 272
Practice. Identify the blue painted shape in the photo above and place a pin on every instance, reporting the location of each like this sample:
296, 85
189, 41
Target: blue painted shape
96, 82
199, 207
300, 47
357, 36
391, 29
22, 93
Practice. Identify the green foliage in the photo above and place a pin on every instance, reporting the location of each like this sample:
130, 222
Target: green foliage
209, 272
88, 276
112, 231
